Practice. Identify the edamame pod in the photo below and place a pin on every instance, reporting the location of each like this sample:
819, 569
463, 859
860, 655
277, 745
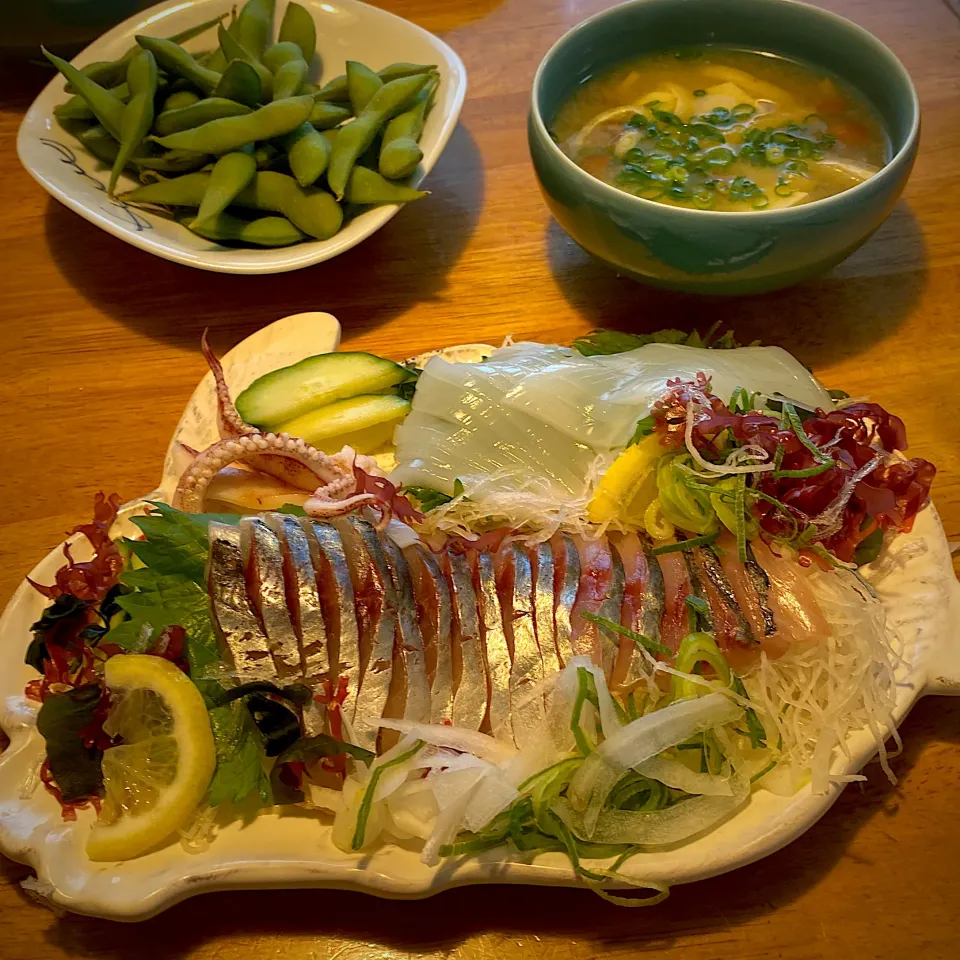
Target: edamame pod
99, 142
173, 161
362, 84
255, 25
289, 78
308, 153
199, 113
234, 50
280, 53
76, 108
368, 187
314, 211
356, 136
326, 115
240, 82
263, 232
229, 133
298, 27
185, 191
399, 150
336, 90
399, 158
266, 155
138, 113
108, 73
180, 99
106, 108
175, 59
230, 174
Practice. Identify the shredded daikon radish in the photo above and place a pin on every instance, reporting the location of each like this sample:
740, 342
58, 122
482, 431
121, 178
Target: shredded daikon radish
819, 693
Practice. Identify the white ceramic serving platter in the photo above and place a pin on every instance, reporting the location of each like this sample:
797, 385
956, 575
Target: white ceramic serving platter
289, 847
346, 30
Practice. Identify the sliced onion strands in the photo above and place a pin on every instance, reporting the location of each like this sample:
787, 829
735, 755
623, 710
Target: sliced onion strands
453, 792
657, 731
660, 827
678, 775
456, 738
640, 740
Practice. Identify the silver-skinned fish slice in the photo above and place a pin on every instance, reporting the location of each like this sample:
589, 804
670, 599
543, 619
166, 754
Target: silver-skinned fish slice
233, 611
566, 582
409, 661
337, 602
376, 603
304, 596
471, 687
268, 591
515, 581
542, 566
497, 651
643, 606
434, 607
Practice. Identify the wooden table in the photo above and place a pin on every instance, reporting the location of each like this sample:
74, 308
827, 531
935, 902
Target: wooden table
100, 351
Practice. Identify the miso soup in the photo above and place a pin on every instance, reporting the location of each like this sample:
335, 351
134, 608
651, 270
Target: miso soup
714, 128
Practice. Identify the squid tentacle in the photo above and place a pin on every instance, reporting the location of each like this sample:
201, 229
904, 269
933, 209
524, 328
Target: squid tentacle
335, 482
231, 425
229, 421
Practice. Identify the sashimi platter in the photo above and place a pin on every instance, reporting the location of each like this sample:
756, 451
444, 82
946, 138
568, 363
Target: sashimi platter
618, 614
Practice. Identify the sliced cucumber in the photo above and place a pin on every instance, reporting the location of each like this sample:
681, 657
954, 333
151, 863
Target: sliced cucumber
364, 423
315, 382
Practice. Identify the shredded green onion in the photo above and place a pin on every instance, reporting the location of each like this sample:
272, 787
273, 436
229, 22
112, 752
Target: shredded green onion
690, 544
610, 626
586, 693
790, 412
739, 505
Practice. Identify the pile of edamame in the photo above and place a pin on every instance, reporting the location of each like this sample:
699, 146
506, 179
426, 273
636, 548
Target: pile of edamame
219, 139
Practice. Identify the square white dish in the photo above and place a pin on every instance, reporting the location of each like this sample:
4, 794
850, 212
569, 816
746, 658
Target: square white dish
290, 847
346, 30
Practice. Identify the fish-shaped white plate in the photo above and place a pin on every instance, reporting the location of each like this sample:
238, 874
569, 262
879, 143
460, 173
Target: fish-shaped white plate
288, 847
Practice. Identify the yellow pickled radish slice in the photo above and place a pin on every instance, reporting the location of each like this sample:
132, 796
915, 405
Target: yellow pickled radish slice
629, 486
155, 780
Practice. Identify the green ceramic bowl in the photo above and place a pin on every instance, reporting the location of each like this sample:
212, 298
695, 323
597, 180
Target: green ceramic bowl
706, 251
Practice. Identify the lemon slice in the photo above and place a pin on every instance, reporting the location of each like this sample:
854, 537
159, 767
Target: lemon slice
629, 486
157, 777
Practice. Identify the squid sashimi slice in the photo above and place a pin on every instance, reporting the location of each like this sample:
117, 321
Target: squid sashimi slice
643, 605
566, 582
676, 587
304, 599
268, 591
600, 593
470, 683
233, 612
410, 668
435, 613
337, 602
515, 587
376, 605
497, 651
462, 427
542, 571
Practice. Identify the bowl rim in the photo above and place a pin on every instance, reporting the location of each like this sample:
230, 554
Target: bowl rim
218, 258
885, 172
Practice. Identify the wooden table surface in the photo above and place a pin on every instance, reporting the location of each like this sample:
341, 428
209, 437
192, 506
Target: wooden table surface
100, 352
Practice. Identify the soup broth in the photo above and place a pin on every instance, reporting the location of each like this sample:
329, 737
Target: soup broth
719, 129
